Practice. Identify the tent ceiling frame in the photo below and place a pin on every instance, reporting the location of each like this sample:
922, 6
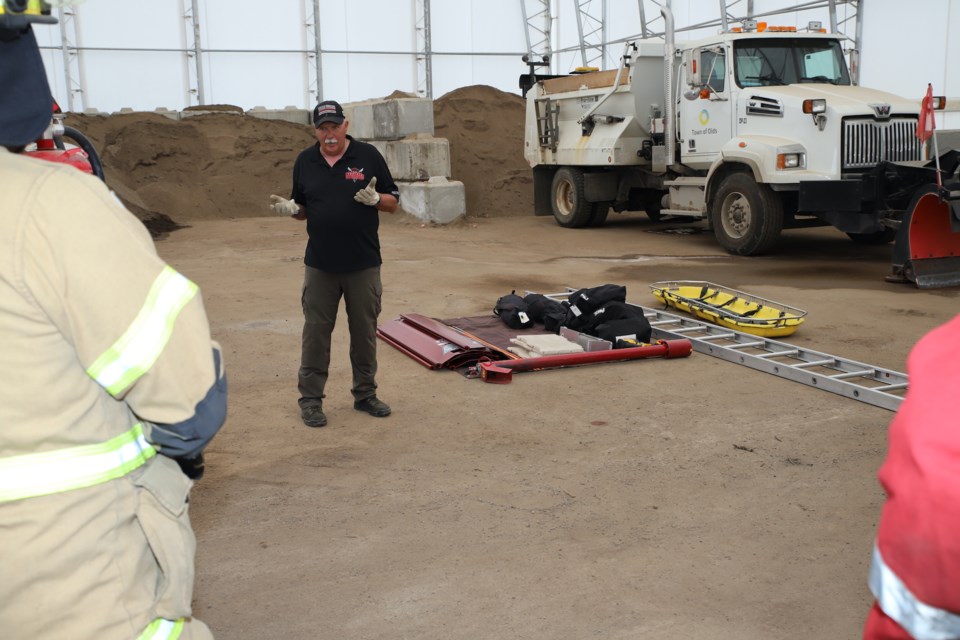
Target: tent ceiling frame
538, 24
592, 19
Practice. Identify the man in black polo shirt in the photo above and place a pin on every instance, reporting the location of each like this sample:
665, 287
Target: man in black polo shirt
340, 186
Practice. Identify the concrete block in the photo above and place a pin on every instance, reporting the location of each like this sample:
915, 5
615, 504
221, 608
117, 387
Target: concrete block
167, 113
390, 119
288, 114
435, 200
416, 157
360, 115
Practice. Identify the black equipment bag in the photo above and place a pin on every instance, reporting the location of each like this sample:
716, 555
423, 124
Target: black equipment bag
546, 310
587, 323
635, 327
553, 320
586, 301
512, 309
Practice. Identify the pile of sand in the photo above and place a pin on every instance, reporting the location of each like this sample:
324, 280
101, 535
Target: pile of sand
226, 164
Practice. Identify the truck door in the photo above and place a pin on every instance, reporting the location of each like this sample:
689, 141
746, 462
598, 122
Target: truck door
706, 119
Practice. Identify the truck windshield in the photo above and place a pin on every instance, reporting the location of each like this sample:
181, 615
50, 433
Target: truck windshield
768, 61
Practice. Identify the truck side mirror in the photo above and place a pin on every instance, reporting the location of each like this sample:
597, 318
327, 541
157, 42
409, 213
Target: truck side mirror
691, 64
691, 61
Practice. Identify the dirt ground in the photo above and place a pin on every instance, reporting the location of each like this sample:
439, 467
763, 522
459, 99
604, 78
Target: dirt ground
656, 499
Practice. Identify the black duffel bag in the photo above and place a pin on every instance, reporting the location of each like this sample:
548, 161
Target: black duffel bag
635, 328
546, 310
587, 323
512, 309
589, 300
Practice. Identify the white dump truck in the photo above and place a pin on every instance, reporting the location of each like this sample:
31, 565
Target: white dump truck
755, 130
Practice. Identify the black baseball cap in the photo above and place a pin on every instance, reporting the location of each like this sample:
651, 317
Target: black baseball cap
328, 111
26, 104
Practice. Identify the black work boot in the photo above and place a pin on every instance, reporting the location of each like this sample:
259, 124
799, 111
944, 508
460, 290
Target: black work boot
372, 405
313, 416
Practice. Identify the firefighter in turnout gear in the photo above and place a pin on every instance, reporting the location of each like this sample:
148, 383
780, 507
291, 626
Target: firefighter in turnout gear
111, 390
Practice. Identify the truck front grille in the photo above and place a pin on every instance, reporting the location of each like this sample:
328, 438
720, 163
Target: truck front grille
867, 142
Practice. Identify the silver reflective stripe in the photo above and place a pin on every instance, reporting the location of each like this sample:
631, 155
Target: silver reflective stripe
920, 620
142, 343
42, 474
162, 629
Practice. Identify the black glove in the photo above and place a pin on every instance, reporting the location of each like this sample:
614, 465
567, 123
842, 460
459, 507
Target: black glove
192, 466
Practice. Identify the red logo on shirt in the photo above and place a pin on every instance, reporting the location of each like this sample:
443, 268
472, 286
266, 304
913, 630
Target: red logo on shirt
355, 174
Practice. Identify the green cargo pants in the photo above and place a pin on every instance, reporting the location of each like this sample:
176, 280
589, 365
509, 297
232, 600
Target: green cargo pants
322, 290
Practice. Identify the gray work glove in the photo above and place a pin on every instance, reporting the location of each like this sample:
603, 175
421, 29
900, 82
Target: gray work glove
368, 195
284, 207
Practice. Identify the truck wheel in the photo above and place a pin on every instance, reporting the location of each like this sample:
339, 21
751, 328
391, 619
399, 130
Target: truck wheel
652, 209
599, 214
884, 236
746, 217
570, 208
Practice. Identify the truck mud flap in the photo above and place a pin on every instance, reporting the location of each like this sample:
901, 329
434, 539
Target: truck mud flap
927, 247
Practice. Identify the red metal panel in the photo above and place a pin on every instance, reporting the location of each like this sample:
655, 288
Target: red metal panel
432, 343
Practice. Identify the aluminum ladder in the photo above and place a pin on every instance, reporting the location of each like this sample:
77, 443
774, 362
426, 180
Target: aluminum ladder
876, 386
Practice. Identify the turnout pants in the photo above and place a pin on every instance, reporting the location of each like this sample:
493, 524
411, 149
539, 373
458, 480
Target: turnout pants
113, 561
322, 290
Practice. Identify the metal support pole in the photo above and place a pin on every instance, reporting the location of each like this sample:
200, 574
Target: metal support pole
589, 26
313, 53
646, 30
542, 46
71, 58
424, 50
833, 16
194, 50
858, 41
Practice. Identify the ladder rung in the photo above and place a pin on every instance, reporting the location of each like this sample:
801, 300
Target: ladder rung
891, 387
853, 374
774, 354
740, 345
719, 336
686, 329
816, 363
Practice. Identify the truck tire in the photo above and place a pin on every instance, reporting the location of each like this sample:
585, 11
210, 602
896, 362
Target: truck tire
570, 208
599, 214
746, 217
652, 206
652, 209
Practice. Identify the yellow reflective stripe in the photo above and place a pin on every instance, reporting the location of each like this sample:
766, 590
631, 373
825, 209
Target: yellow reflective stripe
162, 629
33, 8
42, 474
139, 347
922, 621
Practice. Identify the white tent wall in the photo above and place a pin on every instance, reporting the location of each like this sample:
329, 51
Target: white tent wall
139, 55
476, 42
907, 46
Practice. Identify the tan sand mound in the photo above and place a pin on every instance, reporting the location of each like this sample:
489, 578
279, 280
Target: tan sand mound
226, 164
485, 128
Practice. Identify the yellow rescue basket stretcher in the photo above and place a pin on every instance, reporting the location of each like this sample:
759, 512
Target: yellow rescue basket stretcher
729, 307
